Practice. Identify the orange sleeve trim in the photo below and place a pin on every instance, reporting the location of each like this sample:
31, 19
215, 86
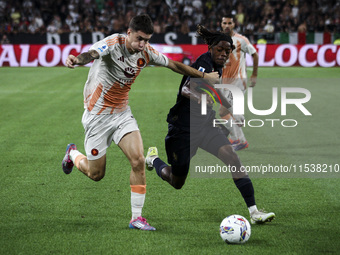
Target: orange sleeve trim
147, 57
140, 189
243, 37
78, 159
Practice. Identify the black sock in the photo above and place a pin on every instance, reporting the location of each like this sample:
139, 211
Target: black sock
246, 188
159, 165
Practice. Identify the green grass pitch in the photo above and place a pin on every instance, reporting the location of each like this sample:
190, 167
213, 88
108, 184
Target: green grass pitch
44, 211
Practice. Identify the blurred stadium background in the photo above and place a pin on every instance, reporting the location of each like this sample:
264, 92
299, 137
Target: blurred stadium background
285, 32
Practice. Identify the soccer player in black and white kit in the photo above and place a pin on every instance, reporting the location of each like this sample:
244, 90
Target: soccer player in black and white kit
189, 129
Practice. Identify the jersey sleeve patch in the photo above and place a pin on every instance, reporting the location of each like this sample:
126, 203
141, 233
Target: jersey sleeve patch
201, 69
101, 47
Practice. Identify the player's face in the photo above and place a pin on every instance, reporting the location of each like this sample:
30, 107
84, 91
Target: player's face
220, 52
227, 25
136, 41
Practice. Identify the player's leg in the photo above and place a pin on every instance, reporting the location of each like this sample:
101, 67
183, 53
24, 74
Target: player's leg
164, 171
237, 138
132, 146
94, 169
244, 184
98, 137
225, 115
176, 181
177, 145
217, 144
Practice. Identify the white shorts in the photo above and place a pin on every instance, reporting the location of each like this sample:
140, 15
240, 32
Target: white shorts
101, 130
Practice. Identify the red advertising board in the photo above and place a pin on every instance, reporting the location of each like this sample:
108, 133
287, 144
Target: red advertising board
48, 55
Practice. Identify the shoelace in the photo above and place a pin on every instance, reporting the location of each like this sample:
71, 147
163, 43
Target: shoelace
143, 220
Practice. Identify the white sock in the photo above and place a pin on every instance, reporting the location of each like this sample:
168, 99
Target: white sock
232, 130
137, 203
74, 154
252, 209
240, 134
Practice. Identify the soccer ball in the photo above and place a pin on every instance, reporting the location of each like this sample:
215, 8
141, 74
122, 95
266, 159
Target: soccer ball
235, 229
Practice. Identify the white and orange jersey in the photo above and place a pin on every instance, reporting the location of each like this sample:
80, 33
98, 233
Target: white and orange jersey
235, 70
111, 76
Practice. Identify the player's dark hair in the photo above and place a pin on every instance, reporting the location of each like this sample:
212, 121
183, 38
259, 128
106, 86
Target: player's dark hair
229, 16
142, 23
213, 38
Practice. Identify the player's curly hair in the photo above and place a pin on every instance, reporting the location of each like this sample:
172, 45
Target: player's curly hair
212, 38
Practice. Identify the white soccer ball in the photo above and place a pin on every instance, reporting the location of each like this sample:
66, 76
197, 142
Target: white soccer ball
235, 229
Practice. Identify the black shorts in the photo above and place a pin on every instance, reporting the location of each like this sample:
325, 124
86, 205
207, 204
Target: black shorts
182, 145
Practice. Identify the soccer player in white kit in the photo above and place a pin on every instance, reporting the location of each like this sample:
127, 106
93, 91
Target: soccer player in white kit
118, 60
235, 73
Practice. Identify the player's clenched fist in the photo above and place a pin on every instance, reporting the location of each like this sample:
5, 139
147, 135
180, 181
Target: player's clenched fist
213, 77
71, 61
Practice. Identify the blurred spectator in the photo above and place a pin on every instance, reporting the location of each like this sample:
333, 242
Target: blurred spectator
3, 6
197, 4
240, 16
33, 27
23, 26
4, 40
15, 16
109, 16
39, 22
74, 28
303, 27
269, 28
185, 29
157, 27
51, 28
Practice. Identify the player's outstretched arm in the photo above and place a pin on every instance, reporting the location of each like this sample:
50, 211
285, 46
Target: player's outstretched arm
81, 59
181, 68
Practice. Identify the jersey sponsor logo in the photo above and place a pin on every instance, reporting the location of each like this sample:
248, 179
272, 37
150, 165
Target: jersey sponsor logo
129, 72
94, 152
121, 58
141, 62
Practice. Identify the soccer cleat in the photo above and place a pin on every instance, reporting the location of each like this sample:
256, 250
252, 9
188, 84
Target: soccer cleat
150, 156
240, 146
233, 142
67, 162
140, 223
260, 216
